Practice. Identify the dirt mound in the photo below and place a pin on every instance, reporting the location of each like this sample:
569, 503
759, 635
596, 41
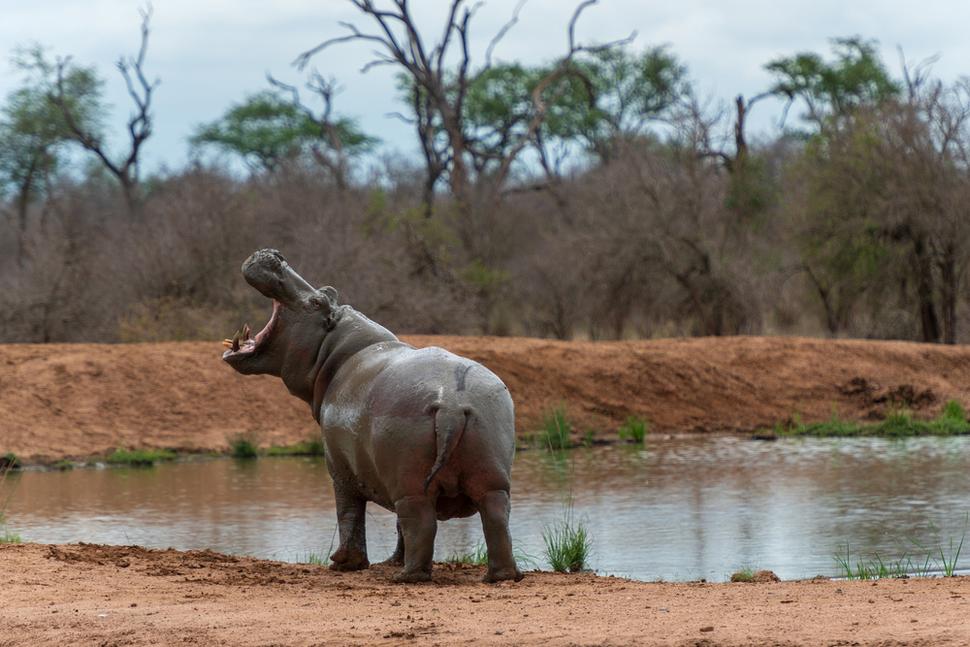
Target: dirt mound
126, 595
62, 400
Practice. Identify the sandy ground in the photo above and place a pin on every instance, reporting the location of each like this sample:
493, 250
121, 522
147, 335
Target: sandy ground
79, 400
102, 595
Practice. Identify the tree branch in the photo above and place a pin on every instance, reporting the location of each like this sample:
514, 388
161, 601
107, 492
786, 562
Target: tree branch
502, 32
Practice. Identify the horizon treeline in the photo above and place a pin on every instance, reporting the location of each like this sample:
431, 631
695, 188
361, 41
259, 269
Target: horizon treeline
593, 196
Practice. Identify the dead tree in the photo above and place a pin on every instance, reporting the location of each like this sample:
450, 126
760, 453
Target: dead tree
334, 157
140, 89
439, 90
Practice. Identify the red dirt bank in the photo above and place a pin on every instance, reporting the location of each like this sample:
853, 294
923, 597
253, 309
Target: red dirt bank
105, 595
64, 400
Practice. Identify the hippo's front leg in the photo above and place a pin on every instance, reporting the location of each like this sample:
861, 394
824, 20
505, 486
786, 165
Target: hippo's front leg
351, 555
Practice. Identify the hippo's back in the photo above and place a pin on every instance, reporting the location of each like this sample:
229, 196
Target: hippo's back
416, 380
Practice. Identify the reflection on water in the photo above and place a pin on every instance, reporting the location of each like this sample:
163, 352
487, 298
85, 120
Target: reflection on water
677, 509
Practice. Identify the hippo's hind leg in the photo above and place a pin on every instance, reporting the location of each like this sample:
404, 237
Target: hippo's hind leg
351, 555
494, 510
397, 558
416, 515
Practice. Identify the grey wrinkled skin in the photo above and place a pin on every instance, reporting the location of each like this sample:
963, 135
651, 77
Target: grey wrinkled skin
422, 432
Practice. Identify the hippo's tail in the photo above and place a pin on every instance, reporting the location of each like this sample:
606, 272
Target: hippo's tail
449, 425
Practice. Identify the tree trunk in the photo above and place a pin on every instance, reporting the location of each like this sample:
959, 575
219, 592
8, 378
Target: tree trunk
427, 197
129, 188
832, 319
929, 322
948, 296
23, 202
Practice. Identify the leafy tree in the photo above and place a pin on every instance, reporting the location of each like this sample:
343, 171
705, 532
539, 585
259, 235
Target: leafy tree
838, 225
268, 128
631, 91
63, 81
855, 78
33, 135
605, 98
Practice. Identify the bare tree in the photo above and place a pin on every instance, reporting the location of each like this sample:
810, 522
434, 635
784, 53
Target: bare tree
438, 91
125, 169
335, 156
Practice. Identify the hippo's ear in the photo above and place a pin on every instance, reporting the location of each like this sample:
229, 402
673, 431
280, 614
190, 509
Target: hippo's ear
324, 299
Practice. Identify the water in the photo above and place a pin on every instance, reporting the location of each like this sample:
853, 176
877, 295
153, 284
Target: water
678, 509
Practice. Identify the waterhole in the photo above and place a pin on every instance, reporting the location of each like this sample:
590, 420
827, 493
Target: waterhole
674, 509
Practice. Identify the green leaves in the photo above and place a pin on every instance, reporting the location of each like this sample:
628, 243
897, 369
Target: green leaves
605, 97
33, 128
267, 128
855, 78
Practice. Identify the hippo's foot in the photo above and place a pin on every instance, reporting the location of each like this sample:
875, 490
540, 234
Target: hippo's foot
393, 560
409, 577
348, 560
502, 574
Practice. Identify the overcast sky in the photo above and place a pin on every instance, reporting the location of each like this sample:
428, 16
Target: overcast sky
210, 53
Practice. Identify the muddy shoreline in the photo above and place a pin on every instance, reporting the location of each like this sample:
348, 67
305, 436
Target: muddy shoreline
117, 595
80, 400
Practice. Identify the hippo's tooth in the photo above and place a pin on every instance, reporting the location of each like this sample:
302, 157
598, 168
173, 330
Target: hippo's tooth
246, 331
227, 343
235, 342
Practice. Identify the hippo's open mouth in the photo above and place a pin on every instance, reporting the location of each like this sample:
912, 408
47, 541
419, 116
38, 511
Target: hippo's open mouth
243, 343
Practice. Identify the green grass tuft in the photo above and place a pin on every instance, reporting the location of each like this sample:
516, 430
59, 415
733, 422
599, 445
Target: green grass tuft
309, 447
10, 461
634, 430
744, 575
476, 557
568, 544
140, 457
556, 430
953, 410
949, 562
315, 559
7, 537
63, 465
243, 446
921, 564
952, 421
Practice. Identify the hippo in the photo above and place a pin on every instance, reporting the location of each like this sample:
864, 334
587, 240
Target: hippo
423, 432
